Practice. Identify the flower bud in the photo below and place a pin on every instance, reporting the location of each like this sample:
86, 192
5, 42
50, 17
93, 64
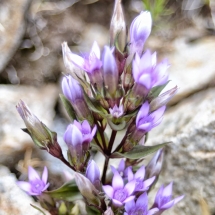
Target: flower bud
109, 211
110, 71
74, 93
140, 30
155, 164
118, 26
116, 112
93, 174
39, 132
86, 188
163, 99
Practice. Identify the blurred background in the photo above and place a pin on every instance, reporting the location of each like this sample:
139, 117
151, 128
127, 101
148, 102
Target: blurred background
31, 68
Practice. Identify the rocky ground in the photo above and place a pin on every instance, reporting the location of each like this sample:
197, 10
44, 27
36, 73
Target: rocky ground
31, 66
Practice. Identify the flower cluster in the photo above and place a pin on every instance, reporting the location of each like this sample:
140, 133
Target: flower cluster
119, 88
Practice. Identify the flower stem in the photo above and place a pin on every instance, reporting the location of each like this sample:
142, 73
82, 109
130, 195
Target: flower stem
111, 142
105, 169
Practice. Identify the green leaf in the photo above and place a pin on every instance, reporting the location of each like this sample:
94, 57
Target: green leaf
155, 91
68, 192
68, 107
139, 151
117, 127
38, 209
92, 211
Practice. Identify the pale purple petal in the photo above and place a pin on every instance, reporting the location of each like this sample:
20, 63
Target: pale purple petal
130, 198
130, 186
144, 110
77, 124
145, 80
76, 136
117, 203
76, 59
176, 200
167, 205
130, 205
26, 186
148, 182
167, 190
108, 190
93, 132
95, 51
32, 174
146, 62
156, 115
45, 188
140, 173
45, 175
86, 127
130, 174
159, 196
121, 166
145, 127
153, 211
117, 181
92, 172
142, 201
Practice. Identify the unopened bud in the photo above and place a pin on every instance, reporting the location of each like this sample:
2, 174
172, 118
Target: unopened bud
109, 211
42, 136
118, 26
155, 165
162, 99
86, 188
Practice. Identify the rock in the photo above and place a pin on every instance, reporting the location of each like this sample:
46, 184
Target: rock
189, 159
13, 140
192, 66
14, 201
12, 28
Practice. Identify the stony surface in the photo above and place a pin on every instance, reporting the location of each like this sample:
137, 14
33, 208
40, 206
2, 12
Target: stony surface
12, 27
190, 158
192, 66
40, 101
13, 200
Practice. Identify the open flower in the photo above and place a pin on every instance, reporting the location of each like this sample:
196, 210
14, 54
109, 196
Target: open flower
139, 207
36, 185
118, 193
116, 111
145, 121
141, 185
163, 199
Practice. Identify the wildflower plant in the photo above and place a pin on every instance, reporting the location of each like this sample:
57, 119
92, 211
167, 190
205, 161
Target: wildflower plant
118, 89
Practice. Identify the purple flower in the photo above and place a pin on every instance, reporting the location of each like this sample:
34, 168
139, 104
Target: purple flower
163, 199
116, 111
93, 174
140, 30
139, 207
74, 93
118, 193
147, 74
145, 121
36, 185
110, 71
154, 166
141, 185
78, 137
72, 89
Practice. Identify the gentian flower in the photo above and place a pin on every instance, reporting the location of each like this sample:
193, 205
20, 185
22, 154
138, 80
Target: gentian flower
147, 74
163, 199
110, 71
141, 185
90, 63
140, 30
74, 93
36, 185
78, 137
139, 207
116, 111
93, 174
118, 193
145, 121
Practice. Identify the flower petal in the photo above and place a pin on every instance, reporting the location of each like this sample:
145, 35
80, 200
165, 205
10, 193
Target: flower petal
117, 181
108, 190
26, 186
130, 186
32, 174
140, 173
45, 175
129, 206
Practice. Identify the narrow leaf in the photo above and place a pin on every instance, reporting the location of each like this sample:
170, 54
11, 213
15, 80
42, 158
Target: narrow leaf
40, 210
139, 151
69, 192
155, 91
68, 107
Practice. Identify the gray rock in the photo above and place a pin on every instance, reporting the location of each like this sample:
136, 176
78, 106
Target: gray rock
12, 28
13, 200
192, 65
189, 159
13, 140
